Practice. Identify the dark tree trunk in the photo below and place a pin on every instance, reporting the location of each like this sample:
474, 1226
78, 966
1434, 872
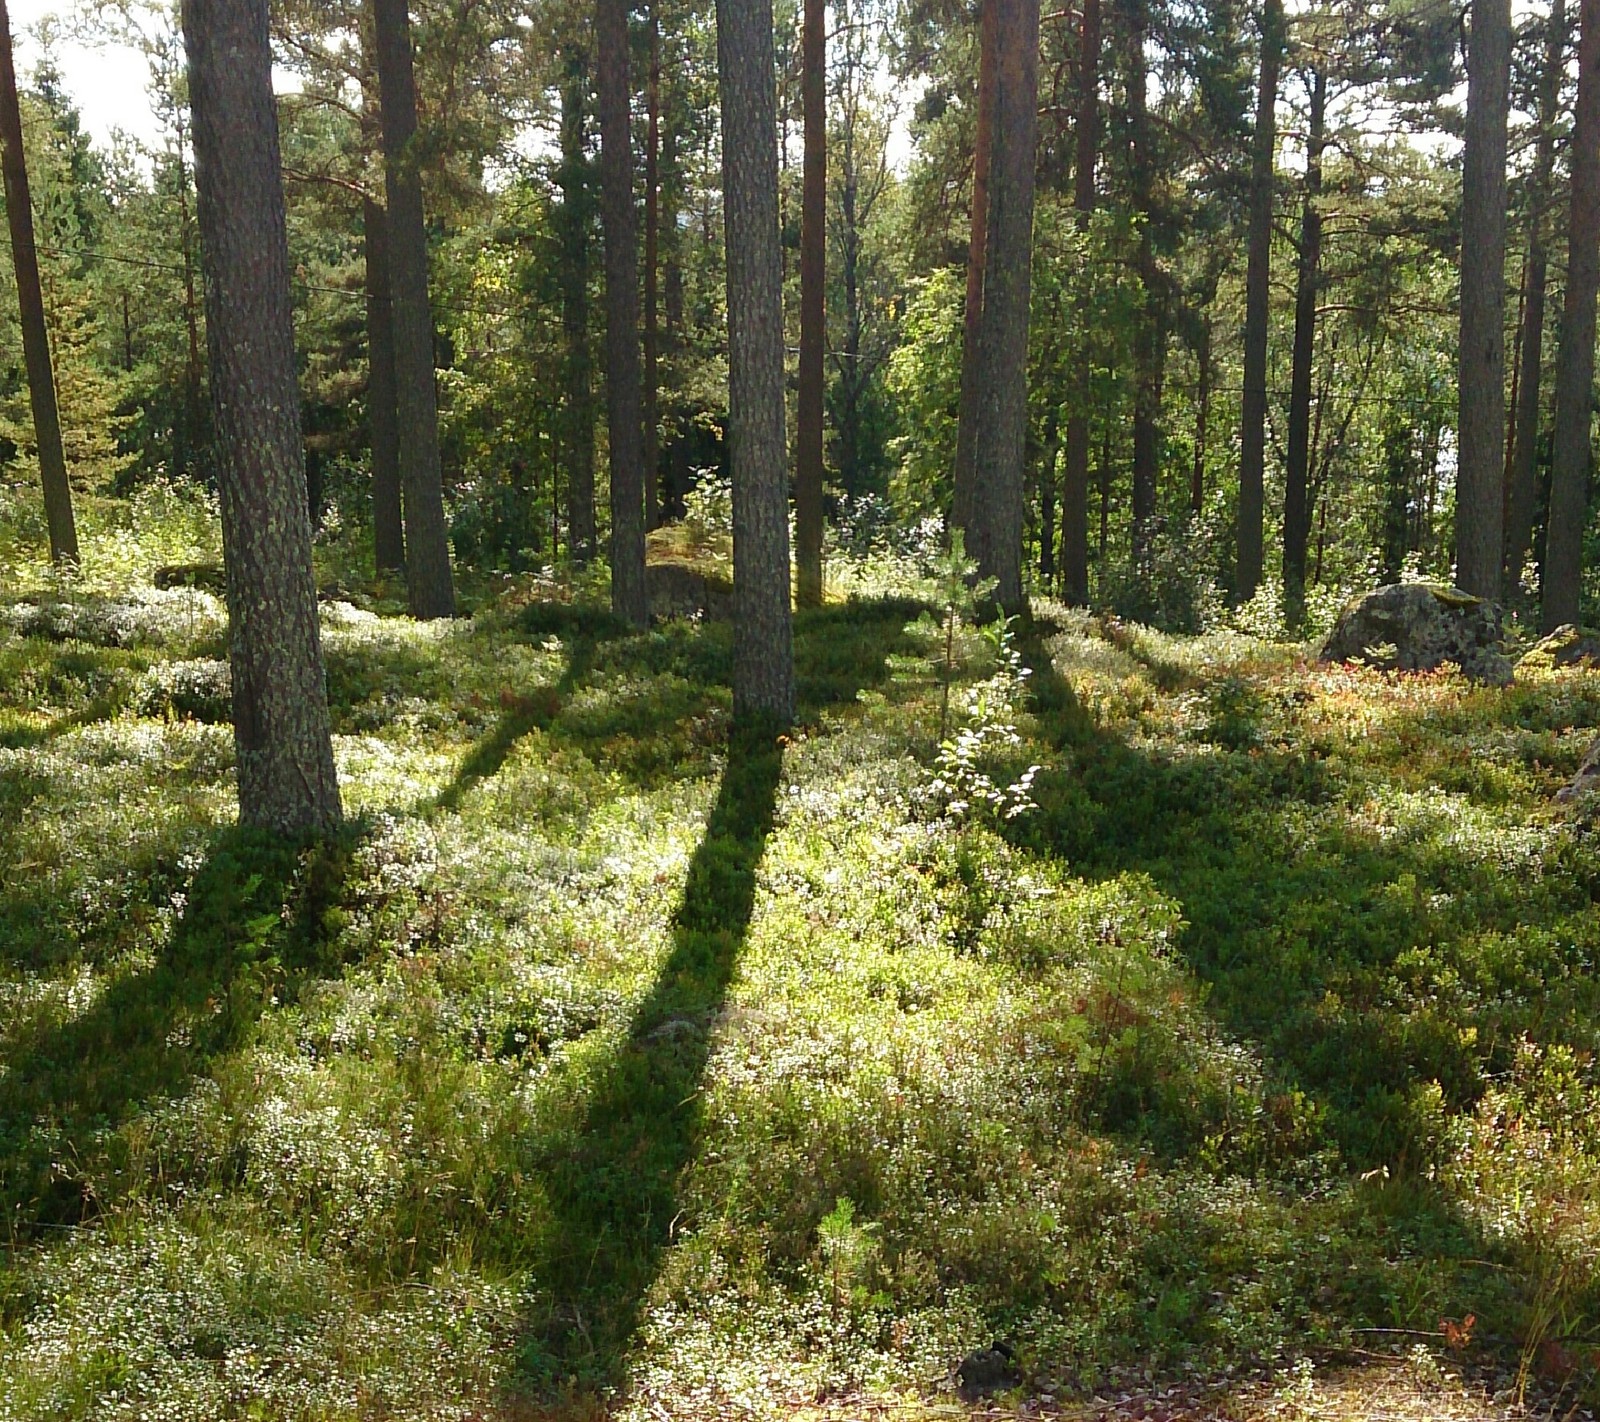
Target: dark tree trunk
1150, 338
1197, 484
1481, 424
30, 301
1570, 454
763, 649
1047, 504
1000, 424
671, 192
977, 253
576, 222
813, 276
1258, 284
388, 537
428, 581
1075, 491
1522, 490
188, 460
623, 383
1296, 511
280, 711
652, 274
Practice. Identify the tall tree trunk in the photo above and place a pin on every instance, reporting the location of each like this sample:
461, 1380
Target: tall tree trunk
30, 301
284, 750
1197, 483
388, 535
1296, 511
652, 274
1570, 455
1522, 484
623, 383
1150, 339
1000, 423
576, 223
1481, 424
961, 512
813, 328
1258, 300
193, 374
1047, 503
1075, 490
763, 647
671, 193
428, 582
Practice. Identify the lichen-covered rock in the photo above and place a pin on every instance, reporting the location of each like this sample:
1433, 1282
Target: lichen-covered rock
675, 590
1586, 780
1568, 646
1420, 627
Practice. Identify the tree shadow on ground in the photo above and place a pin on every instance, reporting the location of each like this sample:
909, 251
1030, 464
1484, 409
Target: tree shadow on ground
252, 928
612, 1184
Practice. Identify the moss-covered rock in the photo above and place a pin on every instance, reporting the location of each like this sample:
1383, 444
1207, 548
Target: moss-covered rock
1568, 646
1420, 627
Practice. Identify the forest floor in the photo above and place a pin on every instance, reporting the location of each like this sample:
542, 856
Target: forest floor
606, 1066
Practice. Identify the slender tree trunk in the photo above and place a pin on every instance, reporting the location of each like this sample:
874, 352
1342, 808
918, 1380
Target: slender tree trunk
652, 273
1523, 491
428, 579
1570, 456
623, 383
193, 372
672, 277
1075, 491
1197, 484
1481, 424
1047, 503
30, 302
388, 535
1000, 423
1150, 338
575, 226
1296, 513
763, 648
977, 256
813, 328
1258, 287
280, 711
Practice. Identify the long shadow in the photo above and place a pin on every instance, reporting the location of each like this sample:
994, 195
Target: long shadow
613, 1183
252, 927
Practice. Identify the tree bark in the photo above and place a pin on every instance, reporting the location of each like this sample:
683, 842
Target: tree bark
30, 303
1481, 423
388, 536
977, 255
763, 649
1202, 415
1258, 285
618, 221
1150, 337
813, 329
285, 765
652, 274
1522, 484
428, 579
1000, 423
1570, 455
1296, 527
576, 220
1075, 487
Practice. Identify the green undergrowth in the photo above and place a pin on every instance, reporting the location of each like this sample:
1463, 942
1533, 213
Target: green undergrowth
613, 1060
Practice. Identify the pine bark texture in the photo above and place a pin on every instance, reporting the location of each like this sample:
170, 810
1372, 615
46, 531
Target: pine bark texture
428, 578
1570, 454
575, 217
1522, 491
652, 280
1297, 463
763, 648
1000, 423
30, 303
977, 249
1481, 422
1075, 485
813, 318
624, 384
284, 751
388, 535
1258, 303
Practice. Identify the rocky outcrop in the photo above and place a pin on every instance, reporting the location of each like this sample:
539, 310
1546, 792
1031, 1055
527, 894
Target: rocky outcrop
675, 590
1586, 780
1568, 646
1420, 627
